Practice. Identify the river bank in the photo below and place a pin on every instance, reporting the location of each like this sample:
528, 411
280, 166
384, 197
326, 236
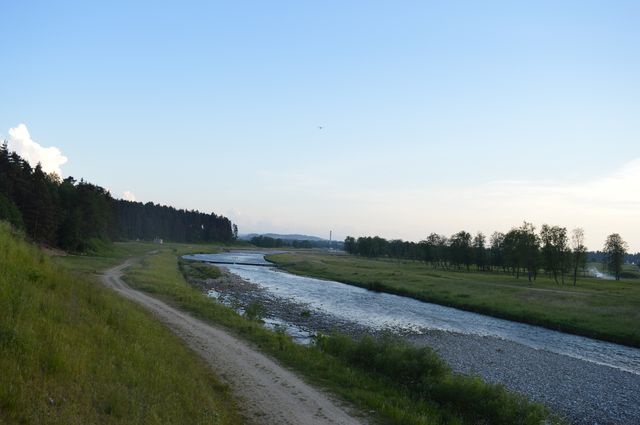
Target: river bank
581, 391
594, 308
396, 382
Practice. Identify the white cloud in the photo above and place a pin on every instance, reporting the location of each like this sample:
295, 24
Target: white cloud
128, 196
50, 158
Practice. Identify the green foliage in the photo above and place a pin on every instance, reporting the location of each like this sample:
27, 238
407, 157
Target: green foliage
10, 213
478, 402
199, 270
555, 249
79, 216
152, 221
423, 375
264, 241
415, 369
615, 249
520, 250
254, 311
73, 352
629, 274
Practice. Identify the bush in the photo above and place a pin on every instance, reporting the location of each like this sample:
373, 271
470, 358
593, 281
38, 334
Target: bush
199, 270
479, 402
375, 286
425, 376
254, 311
411, 367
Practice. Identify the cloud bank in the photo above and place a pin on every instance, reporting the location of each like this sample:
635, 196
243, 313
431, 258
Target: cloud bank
128, 196
50, 158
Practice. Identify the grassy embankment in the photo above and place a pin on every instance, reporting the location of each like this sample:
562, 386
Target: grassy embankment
596, 308
73, 352
401, 384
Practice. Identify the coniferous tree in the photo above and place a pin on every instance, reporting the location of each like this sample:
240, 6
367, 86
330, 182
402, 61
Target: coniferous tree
75, 215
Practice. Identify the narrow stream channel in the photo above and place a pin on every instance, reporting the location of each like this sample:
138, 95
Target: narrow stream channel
380, 311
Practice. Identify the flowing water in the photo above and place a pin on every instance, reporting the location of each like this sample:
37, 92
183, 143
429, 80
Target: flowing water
380, 311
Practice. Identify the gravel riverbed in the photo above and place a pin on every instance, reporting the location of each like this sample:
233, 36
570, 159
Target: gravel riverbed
581, 391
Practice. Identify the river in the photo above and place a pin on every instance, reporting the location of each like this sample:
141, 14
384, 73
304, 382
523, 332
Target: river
586, 380
380, 311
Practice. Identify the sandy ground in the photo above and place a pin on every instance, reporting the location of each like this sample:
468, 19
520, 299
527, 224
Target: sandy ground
268, 394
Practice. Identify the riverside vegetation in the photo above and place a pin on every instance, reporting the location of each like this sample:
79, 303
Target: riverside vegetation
595, 308
73, 352
399, 383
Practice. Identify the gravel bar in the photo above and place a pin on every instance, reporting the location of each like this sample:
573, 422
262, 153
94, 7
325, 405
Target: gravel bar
583, 392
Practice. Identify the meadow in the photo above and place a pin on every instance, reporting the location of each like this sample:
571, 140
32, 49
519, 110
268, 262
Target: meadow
602, 309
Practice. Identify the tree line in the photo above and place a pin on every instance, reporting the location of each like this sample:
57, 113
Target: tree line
263, 241
75, 215
600, 257
520, 251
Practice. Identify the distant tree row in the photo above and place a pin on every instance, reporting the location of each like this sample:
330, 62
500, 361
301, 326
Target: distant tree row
521, 250
74, 215
600, 257
148, 221
269, 242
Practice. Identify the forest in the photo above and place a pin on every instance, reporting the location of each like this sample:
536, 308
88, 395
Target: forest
520, 251
77, 215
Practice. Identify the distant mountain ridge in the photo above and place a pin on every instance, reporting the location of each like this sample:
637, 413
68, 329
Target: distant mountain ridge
292, 237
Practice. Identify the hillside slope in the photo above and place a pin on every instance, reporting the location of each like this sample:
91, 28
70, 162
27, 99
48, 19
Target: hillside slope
72, 352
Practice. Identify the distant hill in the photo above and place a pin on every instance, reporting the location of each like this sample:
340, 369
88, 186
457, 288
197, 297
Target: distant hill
293, 237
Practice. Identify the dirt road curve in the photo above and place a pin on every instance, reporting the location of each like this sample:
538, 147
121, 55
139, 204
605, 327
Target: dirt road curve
268, 393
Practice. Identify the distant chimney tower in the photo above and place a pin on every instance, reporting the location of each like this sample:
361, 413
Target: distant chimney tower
330, 234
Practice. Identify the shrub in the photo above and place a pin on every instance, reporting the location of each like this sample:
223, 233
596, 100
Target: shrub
425, 376
254, 311
415, 368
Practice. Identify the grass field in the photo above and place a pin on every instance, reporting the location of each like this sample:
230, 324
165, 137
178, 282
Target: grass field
400, 384
114, 254
629, 271
596, 308
73, 352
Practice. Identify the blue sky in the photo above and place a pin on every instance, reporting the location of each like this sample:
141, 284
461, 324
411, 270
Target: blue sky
436, 116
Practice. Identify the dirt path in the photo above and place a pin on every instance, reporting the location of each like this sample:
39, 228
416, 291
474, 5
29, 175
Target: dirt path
269, 394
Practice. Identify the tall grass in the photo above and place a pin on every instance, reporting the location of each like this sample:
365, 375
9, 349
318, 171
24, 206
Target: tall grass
199, 270
73, 352
424, 376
